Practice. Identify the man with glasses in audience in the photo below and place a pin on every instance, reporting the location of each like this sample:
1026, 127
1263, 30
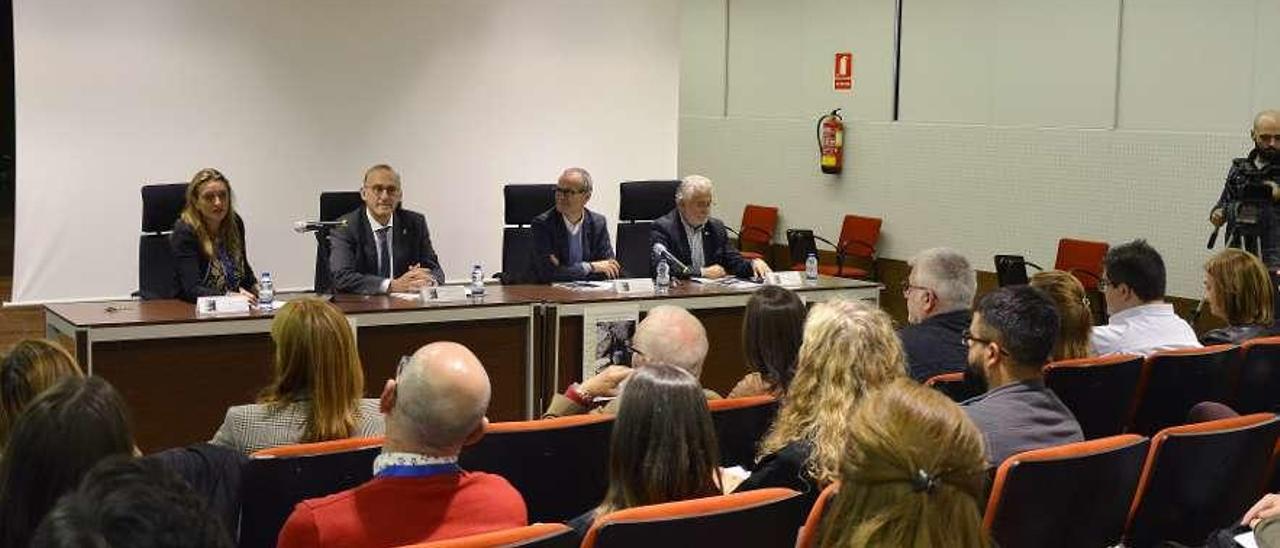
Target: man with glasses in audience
699, 240
939, 291
1133, 281
434, 407
1008, 342
668, 335
382, 248
571, 242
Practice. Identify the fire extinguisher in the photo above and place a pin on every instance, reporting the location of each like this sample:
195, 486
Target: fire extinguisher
831, 142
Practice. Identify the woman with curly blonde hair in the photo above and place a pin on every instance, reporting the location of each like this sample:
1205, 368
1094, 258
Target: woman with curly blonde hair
849, 349
913, 474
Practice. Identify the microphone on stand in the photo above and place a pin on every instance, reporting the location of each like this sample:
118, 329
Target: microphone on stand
682, 270
302, 227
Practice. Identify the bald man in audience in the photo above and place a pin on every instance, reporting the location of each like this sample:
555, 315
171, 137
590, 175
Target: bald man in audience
434, 407
668, 334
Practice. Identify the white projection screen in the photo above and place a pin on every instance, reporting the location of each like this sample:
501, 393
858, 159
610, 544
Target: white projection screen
289, 98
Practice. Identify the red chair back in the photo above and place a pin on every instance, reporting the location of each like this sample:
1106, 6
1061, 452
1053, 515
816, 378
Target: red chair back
859, 236
275, 480
1258, 388
560, 466
764, 517
1099, 391
538, 535
1201, 477
1079, 257
1175, 380
813, 524
740, 424
758, 224
1076, 494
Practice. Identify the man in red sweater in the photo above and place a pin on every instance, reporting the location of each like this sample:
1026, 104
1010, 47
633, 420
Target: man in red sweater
434, 407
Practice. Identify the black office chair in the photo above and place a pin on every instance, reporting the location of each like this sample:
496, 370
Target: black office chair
332, 205
640, 202
521, 203
157, 270
1012, 269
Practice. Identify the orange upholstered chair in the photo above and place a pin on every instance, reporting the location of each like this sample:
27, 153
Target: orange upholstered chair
1175, 380
538, 535
1076, 494
275, 480
758, 224
813, 524
1258, 388
764, 517
560, 466
953, 385
1098, 390
1201, 477
1083, 259
740, 424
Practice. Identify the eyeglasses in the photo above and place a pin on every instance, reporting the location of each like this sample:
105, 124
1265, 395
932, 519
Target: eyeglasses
569, 191
907, 287
967, 337
390, 190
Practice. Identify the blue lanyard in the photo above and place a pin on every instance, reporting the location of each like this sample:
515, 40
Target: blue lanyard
418, 470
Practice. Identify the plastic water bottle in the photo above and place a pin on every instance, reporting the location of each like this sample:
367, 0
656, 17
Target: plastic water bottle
266, 291
477, 281
811, 268
662, 277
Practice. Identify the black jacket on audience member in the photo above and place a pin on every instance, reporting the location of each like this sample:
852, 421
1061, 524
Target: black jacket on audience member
933, 346
213, 472
1236, 334
785, 468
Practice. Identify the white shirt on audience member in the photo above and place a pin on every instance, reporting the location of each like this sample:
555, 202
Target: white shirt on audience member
1143, 329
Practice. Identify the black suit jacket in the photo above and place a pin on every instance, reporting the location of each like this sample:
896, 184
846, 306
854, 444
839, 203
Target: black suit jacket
193, 266
551, 239
668, 230
353, 253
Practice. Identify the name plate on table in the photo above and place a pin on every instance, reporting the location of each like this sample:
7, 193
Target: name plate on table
222, 304
443, 293
634, 286
786, 278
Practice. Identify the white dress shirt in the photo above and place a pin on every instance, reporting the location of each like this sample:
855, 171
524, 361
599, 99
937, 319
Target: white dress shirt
1143, 329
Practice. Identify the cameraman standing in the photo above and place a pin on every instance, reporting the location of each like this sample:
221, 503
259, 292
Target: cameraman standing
1260, 167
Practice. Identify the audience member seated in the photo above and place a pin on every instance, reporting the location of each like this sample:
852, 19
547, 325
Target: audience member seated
571, 242
939, 291
913, 474
663, 447
1133, 281
849, 350
30, 367
61, 434
1010, 340
772, 328
134, 503
1076, 321
699, 240
316, 393
668, 335
1238, 289
434, 407
208, 242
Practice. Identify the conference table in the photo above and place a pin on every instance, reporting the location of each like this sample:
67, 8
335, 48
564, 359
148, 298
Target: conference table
179, 370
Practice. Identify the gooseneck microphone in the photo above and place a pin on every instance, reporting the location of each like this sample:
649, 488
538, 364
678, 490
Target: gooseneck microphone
681, 269
302, 227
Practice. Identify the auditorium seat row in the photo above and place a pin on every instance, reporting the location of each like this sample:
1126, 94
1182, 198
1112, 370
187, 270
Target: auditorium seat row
1126, 393
1179, 486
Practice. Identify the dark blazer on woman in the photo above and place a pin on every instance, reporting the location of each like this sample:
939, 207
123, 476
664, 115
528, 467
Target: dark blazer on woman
193, 267
1236, 334
551, 239
787, 467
